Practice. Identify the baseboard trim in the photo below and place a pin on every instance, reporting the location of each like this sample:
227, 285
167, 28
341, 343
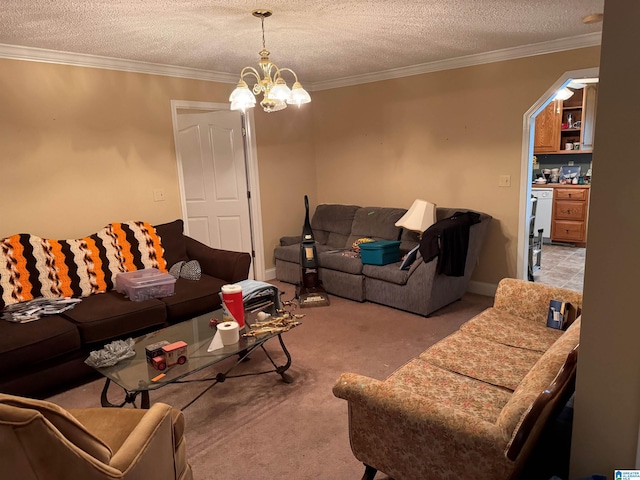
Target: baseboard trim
483, 288
270, 273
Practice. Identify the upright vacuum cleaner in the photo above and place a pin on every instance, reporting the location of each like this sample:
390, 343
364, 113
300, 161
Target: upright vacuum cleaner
309, 292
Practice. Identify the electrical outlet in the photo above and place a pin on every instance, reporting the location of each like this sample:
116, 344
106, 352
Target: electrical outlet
504, 181
158, 195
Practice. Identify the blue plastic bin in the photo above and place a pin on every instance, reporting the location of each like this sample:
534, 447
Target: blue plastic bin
380, 252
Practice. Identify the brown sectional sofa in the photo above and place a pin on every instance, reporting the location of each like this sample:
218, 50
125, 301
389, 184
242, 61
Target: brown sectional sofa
474, 404
419, 289
39, 357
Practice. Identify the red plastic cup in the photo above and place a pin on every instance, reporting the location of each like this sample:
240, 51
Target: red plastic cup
233, 304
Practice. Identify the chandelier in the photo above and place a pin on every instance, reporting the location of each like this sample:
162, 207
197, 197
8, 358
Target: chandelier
275, 92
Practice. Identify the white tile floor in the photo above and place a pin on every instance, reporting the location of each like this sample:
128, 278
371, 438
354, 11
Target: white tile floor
562, 266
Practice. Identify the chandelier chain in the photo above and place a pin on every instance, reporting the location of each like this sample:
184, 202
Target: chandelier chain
263, 44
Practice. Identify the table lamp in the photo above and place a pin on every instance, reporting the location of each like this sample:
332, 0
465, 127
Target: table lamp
420, 216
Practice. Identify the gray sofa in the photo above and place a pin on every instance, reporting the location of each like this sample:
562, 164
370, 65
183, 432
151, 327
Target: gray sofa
420, 289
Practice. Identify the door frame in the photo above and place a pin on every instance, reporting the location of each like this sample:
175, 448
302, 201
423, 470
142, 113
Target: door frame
528, 130
251, 166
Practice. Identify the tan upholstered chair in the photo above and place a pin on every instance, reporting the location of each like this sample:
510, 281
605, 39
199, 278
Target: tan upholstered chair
40, 440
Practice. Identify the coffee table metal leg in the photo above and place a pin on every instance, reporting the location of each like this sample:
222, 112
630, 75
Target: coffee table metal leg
130, 397
285, 376
144, 400
281, 369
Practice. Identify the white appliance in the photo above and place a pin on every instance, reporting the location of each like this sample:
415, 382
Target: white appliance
543, 212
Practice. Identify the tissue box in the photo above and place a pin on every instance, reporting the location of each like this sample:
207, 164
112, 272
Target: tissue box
380, 252
141, 285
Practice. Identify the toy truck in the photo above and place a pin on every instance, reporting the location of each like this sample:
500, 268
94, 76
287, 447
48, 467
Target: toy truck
170, 354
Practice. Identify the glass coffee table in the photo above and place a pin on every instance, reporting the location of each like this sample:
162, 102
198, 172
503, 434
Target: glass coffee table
137, 377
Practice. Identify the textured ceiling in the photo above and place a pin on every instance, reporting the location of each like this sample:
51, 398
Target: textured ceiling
321, 40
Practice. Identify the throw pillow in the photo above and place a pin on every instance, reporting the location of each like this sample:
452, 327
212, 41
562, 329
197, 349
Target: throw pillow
174, 271
191, 270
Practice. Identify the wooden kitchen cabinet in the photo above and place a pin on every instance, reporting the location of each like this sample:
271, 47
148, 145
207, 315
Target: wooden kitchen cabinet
570, 213
550, 137
547, 131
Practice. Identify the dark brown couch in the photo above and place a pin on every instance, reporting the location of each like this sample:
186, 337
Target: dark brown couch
47, 355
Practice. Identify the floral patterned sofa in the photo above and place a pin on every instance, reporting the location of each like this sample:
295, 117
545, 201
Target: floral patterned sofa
472, 405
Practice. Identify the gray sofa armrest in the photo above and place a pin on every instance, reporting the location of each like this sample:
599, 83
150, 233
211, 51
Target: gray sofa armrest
290, 240
223, 264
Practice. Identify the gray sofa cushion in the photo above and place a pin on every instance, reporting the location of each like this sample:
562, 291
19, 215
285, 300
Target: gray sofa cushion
291, 253
340, 263
408, 240
389, 273
377, 223
331, 224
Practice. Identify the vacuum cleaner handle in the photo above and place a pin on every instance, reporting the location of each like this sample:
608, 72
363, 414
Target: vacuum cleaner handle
307, 232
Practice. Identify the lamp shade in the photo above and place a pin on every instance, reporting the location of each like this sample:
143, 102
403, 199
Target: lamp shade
280, 91
242, 98
420, 216
298, 95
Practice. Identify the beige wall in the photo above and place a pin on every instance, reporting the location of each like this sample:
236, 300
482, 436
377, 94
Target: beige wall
607, 404
84, 147
287, 173
444, 137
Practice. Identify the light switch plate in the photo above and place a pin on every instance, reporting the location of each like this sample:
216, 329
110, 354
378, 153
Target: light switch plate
158, 195
504, 181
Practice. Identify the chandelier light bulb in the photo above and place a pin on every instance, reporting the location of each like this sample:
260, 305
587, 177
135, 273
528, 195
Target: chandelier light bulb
280, 90
242, 98
298, 95
273, 87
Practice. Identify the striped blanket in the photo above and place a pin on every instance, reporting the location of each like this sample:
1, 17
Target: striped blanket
32, 266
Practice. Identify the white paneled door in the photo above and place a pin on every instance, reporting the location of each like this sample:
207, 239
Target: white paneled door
211, 157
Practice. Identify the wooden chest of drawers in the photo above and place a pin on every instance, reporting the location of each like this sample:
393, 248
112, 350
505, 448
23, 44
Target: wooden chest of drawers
570, 212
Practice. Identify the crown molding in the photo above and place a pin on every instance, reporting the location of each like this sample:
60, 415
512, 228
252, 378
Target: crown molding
562, 44
33, 54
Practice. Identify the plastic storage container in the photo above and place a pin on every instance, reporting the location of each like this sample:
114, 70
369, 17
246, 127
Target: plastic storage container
380, 252
141, 285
